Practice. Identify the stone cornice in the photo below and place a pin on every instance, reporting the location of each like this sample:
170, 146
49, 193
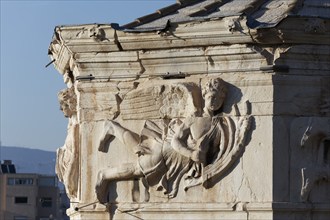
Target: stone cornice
76, 42
71, 40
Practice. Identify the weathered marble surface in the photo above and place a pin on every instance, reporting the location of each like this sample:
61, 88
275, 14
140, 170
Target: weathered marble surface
277, 99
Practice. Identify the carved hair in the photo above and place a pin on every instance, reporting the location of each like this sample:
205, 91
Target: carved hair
68, 97
216, 85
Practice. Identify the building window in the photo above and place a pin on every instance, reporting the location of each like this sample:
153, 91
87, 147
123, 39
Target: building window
20, 181
11, 181
46, 202
21, 200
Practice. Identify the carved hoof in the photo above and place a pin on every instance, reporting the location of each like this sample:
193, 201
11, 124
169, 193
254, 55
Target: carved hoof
101, 189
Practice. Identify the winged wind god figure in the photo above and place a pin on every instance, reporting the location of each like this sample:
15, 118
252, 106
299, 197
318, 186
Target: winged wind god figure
193, 146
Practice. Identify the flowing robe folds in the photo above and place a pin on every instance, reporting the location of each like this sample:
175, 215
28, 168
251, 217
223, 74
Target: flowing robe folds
164, 167
67, 163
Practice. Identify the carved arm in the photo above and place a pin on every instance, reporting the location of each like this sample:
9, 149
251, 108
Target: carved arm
179, 141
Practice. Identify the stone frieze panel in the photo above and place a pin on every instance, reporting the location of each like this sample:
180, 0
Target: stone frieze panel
192, 143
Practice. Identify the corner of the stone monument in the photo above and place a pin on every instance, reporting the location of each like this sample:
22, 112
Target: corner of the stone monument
201, 110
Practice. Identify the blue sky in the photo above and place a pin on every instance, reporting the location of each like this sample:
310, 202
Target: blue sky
30, 115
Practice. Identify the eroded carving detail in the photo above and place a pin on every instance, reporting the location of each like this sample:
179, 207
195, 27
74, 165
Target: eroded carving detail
67, 165
199, 148
315, 26
316, 135
68, 78
97, 33
325, 98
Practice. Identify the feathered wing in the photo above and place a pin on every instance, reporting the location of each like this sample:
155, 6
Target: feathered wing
161, 101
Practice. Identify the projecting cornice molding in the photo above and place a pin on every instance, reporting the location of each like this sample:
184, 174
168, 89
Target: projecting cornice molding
98, 48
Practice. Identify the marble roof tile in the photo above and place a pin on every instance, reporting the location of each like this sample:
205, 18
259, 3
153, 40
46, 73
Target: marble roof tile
260, 13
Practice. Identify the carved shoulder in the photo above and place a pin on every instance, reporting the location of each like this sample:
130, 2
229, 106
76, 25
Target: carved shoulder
183, 130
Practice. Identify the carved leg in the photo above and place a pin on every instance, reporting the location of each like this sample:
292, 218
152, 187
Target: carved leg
308, 180
113, 129
101, 188
146, 190
107, 135
124, 172
310, 177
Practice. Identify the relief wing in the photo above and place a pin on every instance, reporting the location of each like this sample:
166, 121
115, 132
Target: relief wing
161, 101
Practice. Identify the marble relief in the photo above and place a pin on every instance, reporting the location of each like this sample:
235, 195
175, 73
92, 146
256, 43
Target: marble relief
179, 143
317, 138
67, 163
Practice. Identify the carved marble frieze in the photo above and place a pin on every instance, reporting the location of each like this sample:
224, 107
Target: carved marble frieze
316, 137
67, 160
187, 140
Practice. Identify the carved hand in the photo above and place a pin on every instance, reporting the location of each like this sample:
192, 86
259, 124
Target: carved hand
197, 156
139, 150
